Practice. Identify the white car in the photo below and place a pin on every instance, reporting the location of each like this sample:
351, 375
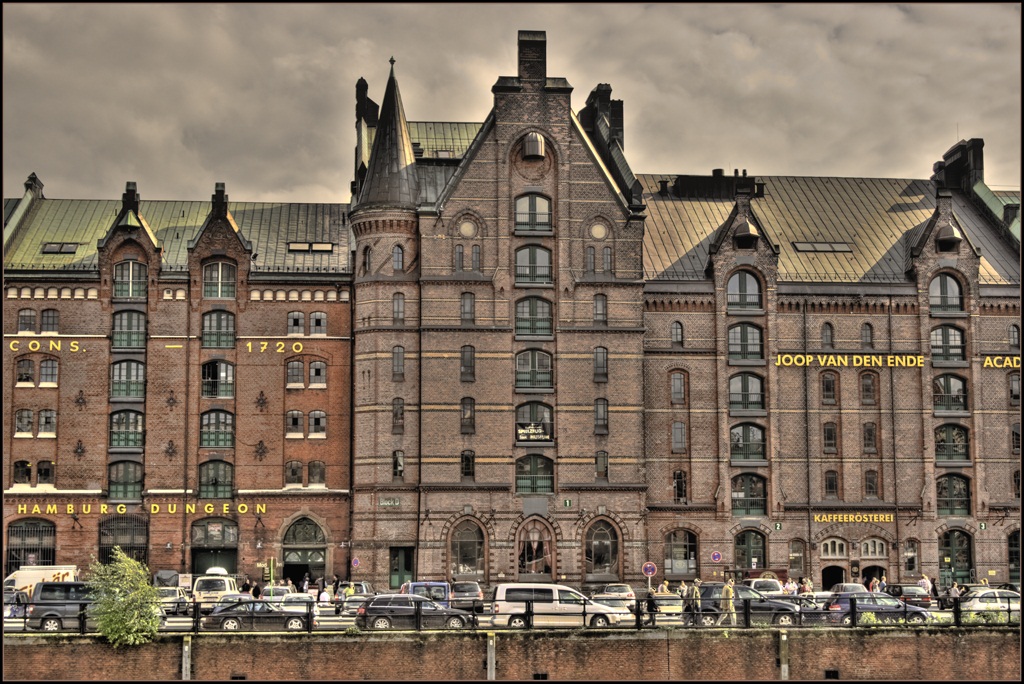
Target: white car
298, 603
991, 600
768, 587
174, 600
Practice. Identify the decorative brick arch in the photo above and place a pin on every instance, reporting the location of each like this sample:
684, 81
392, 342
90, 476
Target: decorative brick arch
853, 533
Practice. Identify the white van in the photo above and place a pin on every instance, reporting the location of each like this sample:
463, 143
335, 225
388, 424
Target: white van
207, 589
554, 605
26, 577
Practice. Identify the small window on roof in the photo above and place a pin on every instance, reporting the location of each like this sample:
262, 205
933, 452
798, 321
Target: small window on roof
298, 246
60, 247
323, 246
822, 247
443, 154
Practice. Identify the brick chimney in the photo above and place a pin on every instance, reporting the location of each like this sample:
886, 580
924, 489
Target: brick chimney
533, 60
130, 198
220, 201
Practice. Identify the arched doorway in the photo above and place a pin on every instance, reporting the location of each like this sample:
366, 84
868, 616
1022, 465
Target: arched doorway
832, 574
536, 552
601, 553
214, 545
871, 572
30, 542
130, 532
305, 551
468, 558
956, 558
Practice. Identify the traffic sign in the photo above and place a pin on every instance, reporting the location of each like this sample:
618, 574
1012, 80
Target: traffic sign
355, 562
716, 557
650, 569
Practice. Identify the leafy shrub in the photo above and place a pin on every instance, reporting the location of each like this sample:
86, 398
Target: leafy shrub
126, 607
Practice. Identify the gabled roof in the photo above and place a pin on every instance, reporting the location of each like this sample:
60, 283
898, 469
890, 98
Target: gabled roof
877, 219
269, 226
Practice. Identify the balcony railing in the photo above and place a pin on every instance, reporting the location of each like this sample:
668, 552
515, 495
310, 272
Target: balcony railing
746, 400
741, 300
952, 452
950, 402
215, 491
130, 289
747, 451
751, 350
749, 505
219, 340
128, 339
535, 484
534, 379
127, 388
533, 274
533, 325
948, 352
957, 505
945, 304
533, 220
130, 491
127, 438
216, 388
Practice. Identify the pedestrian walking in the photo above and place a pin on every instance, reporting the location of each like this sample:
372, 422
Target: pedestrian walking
925, 583
726, 605
256, 591
882, 584
695, 598
336, 583
246, 585
305, 583
873, 586
682, 590
790, 587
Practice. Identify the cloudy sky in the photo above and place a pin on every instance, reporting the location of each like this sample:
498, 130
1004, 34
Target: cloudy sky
261, 96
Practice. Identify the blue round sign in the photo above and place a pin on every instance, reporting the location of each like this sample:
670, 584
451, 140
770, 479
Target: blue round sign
650, 569
716, 556
355, 562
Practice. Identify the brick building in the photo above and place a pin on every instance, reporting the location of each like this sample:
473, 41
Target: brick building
561, 369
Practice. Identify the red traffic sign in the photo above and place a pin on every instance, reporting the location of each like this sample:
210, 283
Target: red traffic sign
649, 569
716, 557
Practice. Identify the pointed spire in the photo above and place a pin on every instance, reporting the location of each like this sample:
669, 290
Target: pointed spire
391, 178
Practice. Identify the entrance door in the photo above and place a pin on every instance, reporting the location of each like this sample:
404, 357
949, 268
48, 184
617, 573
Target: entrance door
871, 572
401, 564
203, 560
956, 558
832, 575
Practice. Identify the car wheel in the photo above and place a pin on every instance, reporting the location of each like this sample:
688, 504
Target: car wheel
231, 625
51, 625
708, 619
294, 624
381, 623
847, 620
784, 619
454, 622
599, 621
517, 622
915, 618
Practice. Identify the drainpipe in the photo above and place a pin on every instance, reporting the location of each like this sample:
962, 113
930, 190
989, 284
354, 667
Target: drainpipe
188, 404
807, 442
352, 426
895, 474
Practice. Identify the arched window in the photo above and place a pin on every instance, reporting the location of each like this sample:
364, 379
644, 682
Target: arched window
833, 548
216, 480
602, 549
945, 294
871, 483
47, 372
467, 363
1015, 337
468, 308
1016, 484
1013, 555
873, 547
130, 280
305, 546
47, 423
317, 472
130, 533
22, 472
129, 330
533, 316
397, 465
294, 373
952, 495
534, 423
317, 424
219, 379
746, 391
397, 259
533, 265
744, 291
677, 387
317, 374
218, 330
217, 429
124, 480
26, 372
293, 424
748, 495
293, 472
533, 370
600, 309
398, 363
600, 364
127, 380
367, 260
459, 257
536, 551
30, 542
475, 263
50, 321
681, 553
467, 551
468, 413
606, 259
745, 342
600, 416
958, 547
829, 383
27, 321
746, 442
948, 344
467, 465
533, 214
910, 552
219, 281
868, 389
827, 336
535, 474
867, 336
831, 484
23, 421
126, 429
318, 324
398, 309
677, 334
296, 323
397, 416
1014, 435
951, 443
1014, 389
749, 550
46, 472
949, 393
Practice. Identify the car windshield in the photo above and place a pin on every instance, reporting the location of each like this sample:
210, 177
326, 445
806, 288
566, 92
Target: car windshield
210, 585
167, 593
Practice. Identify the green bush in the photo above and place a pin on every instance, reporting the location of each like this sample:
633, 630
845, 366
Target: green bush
126, 607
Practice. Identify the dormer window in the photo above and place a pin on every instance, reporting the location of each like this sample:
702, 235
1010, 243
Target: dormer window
533, 147
533, 214
219, 281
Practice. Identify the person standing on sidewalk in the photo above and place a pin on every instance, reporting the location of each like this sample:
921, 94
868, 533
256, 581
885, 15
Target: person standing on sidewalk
726, 605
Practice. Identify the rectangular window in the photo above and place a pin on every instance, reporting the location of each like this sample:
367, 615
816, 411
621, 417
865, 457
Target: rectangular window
468, 311
467, 364
47, 422
398, 364
829, 438
48, 372
397, 465
467, 465
468, 416
601, 465
296, 323
50, 320
870, 443
679, 486
678, 388
871, 483
600, 309
476, 257
678, 437
601, 417
600, 365
831, 483
867, 389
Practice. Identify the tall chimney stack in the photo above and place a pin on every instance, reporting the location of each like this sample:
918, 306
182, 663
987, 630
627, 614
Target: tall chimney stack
533, 55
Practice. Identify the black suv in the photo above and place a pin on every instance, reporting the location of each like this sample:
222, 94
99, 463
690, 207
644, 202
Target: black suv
467, 596
911, 594
56, 605
763, 609
399, 611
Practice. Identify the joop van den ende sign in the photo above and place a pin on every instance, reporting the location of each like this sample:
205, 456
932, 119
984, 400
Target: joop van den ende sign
851, 360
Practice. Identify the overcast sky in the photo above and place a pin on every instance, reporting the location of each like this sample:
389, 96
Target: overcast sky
261, 96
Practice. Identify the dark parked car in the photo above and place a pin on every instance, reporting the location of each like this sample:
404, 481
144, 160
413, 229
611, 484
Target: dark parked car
57, 605
911, 594
398, 611
15, 604
886, 608
1009, 586
255, 615
467, 596
763, 609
